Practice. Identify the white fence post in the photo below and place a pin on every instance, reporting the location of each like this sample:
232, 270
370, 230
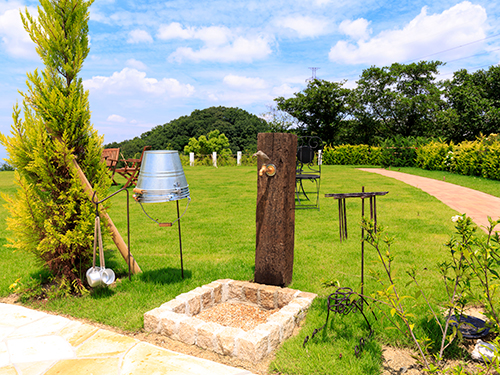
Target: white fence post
214, 158
320, 157
191, 159
238, 158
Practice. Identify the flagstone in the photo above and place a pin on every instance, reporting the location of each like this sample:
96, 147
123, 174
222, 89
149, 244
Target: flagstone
94, 366
37, 349
105, 344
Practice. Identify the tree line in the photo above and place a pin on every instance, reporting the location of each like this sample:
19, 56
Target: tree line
391, 102
237, 125
400, 100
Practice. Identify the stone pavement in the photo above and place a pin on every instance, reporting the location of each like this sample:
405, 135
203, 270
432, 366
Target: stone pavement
477, 205
33, 342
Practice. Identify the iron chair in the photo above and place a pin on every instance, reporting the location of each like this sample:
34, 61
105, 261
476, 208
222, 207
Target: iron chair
308, 168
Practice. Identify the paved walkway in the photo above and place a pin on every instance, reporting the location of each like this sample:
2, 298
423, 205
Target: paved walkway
477, 205
33, 342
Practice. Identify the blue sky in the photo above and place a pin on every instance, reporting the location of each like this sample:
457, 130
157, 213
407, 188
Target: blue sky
153, 61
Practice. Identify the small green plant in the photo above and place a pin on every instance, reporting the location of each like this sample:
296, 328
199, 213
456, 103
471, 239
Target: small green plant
388, 295
481, 258
473, 263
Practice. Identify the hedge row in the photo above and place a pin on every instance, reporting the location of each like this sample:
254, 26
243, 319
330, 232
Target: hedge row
471, 158
474, 158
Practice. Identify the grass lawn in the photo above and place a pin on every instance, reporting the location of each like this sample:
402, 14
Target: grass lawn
218, 238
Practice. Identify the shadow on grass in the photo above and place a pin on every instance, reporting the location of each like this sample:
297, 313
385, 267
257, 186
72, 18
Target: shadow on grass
101, 293
164, 276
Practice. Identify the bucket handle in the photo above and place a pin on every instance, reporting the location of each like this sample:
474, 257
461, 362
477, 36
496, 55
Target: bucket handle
166, 224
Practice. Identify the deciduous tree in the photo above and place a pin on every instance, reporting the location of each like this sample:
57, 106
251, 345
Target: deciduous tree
399, 99
320, 108
474, 100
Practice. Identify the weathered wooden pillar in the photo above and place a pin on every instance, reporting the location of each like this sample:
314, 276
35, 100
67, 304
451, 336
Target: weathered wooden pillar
275, 209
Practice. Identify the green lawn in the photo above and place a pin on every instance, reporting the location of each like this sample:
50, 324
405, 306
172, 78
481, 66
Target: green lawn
218, 237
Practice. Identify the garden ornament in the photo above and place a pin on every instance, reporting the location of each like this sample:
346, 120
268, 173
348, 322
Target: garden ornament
162, 179
343, 301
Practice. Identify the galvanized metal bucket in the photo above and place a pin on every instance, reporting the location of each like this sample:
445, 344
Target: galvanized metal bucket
161, 178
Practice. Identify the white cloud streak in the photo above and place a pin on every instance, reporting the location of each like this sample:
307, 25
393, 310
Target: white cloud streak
424, 35
220, 44
304, 26
139, 36
15, 40
133, 81
116, 118
241, 82
357, 29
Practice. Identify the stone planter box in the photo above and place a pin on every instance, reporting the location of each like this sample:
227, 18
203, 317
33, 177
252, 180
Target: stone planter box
177, 318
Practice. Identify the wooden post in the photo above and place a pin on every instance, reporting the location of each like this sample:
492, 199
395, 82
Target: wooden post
275, 209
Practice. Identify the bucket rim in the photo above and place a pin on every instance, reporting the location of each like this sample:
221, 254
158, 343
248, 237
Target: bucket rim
161, 151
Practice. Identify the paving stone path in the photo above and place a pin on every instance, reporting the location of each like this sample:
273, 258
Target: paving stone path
33, 342
476, 204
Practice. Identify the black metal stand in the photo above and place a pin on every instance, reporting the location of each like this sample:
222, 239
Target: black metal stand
97, 203
343, 221
180, 238
342, 302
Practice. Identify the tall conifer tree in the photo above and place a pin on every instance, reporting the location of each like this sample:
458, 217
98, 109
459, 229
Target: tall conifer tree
51, 216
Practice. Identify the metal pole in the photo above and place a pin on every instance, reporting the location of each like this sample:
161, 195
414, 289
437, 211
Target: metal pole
341, 221
345, 218
362, 248
180, 240
128, 234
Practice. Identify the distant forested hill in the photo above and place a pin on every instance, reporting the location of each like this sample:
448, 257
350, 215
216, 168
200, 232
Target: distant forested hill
239, 126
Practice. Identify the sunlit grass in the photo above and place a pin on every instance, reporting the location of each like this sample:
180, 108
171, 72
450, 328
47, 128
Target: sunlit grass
218, 241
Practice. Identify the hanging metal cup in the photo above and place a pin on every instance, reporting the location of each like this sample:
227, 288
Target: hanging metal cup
99, 276
94, 276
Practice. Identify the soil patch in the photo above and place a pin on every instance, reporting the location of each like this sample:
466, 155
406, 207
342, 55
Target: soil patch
236, 314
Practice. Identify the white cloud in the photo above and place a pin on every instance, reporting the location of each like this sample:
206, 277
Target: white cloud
220, 44
284, 90
213, 35
357, 29
116, 118
136, 64
304, 26
133, 81
139, 36
15, 39
241, 49
240, 82
423, 36
175, 31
